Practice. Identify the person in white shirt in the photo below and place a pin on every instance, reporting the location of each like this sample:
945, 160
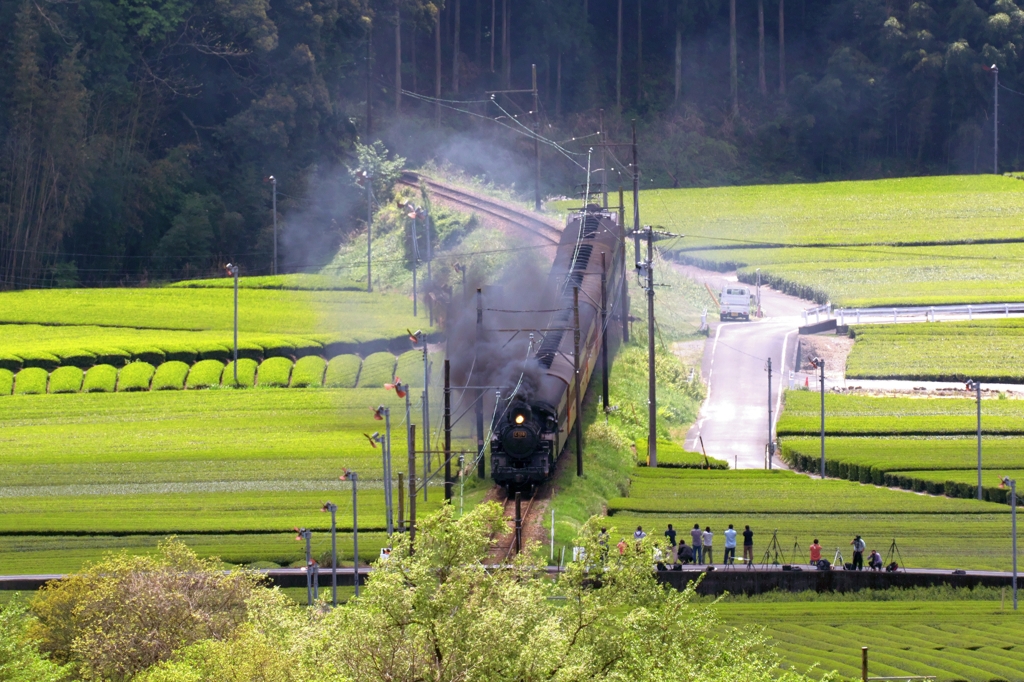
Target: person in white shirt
705, 541
730, 546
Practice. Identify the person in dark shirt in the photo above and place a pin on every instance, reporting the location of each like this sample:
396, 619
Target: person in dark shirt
671, 535
685, 553
748, 545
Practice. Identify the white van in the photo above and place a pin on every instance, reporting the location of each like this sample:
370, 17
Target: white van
734, 302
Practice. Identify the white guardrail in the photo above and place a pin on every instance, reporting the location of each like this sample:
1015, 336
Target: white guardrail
820, 310
928, 313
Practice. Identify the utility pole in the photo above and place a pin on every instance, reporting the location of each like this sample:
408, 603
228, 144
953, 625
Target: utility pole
412, 487
576, 379
352, 476
233, 271
536, 141
479, 400
447, 430
604, 164
415, 249
618, 64
995, 120
604, 331
819, 363
652, 391
976, 385
333, 508
369, 69
273, 183
1012, 483
624, 310
368, 179
771, 443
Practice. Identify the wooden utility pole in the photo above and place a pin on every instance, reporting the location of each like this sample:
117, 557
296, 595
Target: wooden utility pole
576, 366
455, 46
447, 430
679, 62
762, 84
398, 59
478, 402
536, 140
639, 53
618, 62
652, 385
369, 70
437, 71
782, 47
734, 86
506, 49
493, 32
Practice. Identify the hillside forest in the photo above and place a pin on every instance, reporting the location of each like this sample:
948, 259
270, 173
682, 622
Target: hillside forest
138, 136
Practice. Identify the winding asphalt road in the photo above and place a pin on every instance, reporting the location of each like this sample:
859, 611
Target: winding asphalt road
733, 422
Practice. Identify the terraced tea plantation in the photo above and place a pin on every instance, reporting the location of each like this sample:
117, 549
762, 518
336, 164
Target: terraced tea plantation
881, 242
952, 640
989, 351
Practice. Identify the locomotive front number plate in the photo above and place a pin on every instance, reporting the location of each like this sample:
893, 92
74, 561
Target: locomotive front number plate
519, 434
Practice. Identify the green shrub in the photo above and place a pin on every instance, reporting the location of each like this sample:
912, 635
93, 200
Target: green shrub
278, 347
31, 381
248, 349
180, 353
149, 354
6, 381
66, 379
204, 374
343, 371
377, 370
112, 356
309, 372
100, 379
215, 351
274, 371
135, 376
304, 347
246, 373
11, 363
41, 359
76, 357
170, 376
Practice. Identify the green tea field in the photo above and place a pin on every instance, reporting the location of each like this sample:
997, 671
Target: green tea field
978, 641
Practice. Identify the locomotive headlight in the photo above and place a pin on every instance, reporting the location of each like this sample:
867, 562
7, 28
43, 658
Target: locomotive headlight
520, 419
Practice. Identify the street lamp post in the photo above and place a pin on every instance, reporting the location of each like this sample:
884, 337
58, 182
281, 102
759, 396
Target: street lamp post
333, 508
384, 413
819, 363
1013, 521
976, 385
352, 476
420, 338
233, 271
307, 535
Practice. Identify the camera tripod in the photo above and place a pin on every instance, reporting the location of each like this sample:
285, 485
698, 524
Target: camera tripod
892, 554
773, 552
838, 559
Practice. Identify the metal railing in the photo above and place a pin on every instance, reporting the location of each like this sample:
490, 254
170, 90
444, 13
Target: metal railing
817, 311
927, 313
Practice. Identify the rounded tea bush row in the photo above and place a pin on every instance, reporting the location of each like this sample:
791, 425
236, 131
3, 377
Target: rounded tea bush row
310, 371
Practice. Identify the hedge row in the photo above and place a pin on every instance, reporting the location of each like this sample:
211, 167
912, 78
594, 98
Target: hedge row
343, 371
906, 480
672, 456
258, 349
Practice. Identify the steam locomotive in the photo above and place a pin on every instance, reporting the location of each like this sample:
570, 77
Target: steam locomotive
530, 434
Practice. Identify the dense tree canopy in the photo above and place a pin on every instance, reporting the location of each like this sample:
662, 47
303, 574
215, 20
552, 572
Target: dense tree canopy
137, 136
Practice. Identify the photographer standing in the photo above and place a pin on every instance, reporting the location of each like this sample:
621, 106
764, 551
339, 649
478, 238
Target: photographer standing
858, 553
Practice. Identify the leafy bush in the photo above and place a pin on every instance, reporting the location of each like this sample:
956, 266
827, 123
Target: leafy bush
149, 354
377, 370
66, 380
100, 379
31, 381
215, 351
246, 373
20, 658
76, 357
248, 349
180, 353
6, 381
343, 371
170, 376
304, 347
673, 456
135, 376
274, 371
11, 363
41, 359
278, 347
112, 356
204, 374
309, 372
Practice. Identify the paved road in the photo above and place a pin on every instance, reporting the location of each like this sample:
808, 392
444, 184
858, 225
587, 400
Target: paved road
733, 421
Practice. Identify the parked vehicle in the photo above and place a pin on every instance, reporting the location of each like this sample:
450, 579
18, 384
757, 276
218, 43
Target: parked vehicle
734, 302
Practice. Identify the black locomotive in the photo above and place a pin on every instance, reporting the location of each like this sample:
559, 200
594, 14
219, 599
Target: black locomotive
531, 433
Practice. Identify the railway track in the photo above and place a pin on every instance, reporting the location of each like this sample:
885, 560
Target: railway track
491, 207
504, 551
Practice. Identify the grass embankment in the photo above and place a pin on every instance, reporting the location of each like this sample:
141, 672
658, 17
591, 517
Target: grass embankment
857, 243
989, 351
185, 462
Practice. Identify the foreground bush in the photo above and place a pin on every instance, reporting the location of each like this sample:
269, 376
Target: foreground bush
20, 658
438, 614
125, 614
